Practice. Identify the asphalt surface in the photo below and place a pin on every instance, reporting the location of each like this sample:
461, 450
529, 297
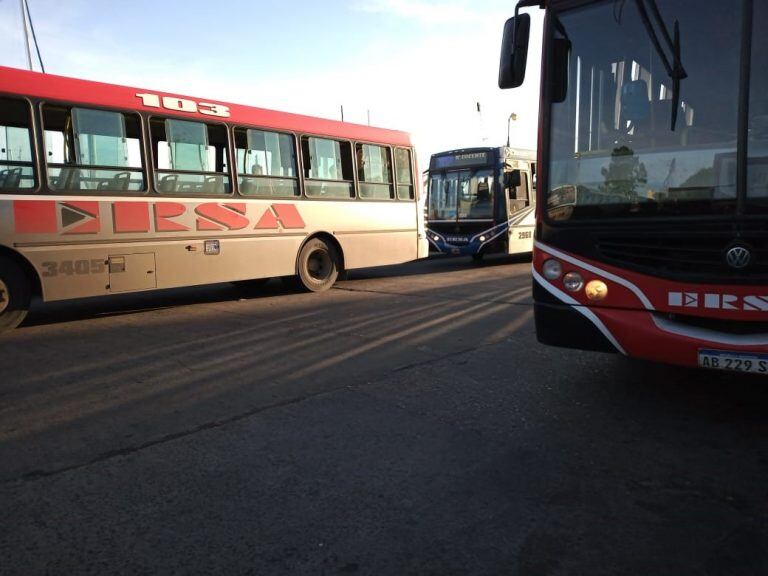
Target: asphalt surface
405, 422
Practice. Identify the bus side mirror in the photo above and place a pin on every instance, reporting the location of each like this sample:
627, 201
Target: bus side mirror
514, 51
511, 181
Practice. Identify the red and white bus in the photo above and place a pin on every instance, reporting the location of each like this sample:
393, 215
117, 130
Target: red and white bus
106, 189
652, 216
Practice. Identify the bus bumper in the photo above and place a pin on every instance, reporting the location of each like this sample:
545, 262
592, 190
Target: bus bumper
564, 327
653, 336
453, 250
715, 326
491, 240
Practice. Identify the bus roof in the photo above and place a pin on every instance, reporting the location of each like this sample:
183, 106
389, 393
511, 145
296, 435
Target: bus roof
72, 90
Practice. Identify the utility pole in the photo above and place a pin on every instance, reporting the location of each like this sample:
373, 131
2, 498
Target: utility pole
512, 118
483, 137
342, 112
26, 32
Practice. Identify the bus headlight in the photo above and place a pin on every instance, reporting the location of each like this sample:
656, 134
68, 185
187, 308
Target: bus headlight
573, 282
552, 269
596, 290
482, 238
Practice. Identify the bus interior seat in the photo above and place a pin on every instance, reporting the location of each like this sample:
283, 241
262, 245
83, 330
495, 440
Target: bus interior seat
635, 106
119, 182
168, 183
248, 187
71, 178
10, 178
213, 184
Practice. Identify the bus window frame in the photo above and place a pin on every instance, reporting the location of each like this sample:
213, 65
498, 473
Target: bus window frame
38, 188
545, 132
411, 169
304, 179
233, 191
296, 153
40, 164
392, 173
48, 189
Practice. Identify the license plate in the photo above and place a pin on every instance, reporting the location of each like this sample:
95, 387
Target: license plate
734, 361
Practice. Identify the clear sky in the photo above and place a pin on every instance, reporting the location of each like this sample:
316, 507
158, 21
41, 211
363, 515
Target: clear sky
419, 66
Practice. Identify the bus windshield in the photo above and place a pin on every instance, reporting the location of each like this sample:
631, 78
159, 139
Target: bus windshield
462, 195
613, 149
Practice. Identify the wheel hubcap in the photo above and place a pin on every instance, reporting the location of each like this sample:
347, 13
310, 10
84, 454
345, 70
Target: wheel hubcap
319, 265
4, 297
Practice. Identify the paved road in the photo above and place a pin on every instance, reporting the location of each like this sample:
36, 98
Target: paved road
403, 423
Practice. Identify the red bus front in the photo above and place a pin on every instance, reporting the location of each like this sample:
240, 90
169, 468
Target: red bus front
652, 235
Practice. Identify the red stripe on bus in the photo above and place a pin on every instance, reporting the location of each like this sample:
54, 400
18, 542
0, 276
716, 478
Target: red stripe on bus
288, 215
166, 210
35, 217
268, 221
52, 87
214, 216
130, 216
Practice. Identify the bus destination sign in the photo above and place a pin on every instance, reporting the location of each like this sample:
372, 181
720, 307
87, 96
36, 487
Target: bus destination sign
459, 160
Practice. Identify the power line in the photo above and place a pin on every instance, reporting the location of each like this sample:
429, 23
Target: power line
26, 34
34, 36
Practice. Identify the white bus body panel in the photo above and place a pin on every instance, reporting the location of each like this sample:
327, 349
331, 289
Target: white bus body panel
74, 242
521, 229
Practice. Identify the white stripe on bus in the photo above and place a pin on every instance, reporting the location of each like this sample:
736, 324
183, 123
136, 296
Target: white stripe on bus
583, 310
619, 280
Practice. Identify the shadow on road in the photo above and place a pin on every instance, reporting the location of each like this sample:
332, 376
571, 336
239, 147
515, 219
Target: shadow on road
43, 313
438, 264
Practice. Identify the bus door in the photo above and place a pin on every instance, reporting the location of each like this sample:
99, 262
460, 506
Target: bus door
522, 218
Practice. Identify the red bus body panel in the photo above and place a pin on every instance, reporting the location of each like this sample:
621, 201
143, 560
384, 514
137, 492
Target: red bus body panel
639, 315
61, 88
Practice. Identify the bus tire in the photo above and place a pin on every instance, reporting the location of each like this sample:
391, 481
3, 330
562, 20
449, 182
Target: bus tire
318, 266
15, 294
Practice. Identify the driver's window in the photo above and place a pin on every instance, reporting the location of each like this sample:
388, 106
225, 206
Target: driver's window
519, 195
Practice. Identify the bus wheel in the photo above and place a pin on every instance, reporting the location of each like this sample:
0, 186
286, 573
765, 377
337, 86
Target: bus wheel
318, 265
14, 294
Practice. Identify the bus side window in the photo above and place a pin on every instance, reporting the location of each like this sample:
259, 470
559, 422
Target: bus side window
93, 150
266, 163
16, 168
327, 168
403, 175
374, 171
190, 157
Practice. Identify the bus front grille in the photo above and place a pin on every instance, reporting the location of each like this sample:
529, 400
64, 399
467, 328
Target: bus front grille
688, 255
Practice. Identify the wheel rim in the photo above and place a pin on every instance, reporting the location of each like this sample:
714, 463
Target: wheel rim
4, 297
319, 265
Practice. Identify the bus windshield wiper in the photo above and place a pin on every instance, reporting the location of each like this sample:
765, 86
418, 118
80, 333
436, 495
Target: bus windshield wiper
673, 65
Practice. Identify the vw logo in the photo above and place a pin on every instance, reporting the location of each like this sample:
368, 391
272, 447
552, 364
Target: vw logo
738, 257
